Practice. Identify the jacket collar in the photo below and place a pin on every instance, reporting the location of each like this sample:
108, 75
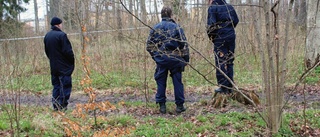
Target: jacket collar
55, 28
168, 19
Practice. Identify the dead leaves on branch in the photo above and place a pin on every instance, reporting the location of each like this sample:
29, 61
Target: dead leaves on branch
81, 110
81, 129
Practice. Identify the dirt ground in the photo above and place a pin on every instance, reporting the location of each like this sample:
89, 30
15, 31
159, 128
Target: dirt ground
196, 99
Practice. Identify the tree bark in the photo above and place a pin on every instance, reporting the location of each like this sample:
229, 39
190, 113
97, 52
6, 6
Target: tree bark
302, 17
156, 10
119, 21
143, 10
296, 10
313, 32
131, 18
54, 8
96, 25
36, 18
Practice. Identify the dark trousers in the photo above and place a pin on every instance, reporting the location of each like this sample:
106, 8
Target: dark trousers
161, 75
224, 57
61, 91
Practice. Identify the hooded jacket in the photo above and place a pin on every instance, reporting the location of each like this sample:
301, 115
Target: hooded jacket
222, 19
167, 36
59, 51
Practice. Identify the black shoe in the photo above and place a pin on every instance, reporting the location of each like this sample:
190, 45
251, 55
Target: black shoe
180, 108
163, 108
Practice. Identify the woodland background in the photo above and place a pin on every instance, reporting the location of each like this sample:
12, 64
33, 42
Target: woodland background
277, 55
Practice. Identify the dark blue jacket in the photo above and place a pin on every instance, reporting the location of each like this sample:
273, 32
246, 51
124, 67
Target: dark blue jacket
222, 19
59, 51
167, 36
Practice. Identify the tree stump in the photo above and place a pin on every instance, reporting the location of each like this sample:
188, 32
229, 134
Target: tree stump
220, 100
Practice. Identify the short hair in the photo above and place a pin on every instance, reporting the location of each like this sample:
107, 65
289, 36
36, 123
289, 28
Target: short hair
166, 12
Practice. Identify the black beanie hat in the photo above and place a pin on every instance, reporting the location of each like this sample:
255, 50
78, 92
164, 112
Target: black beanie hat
55, 21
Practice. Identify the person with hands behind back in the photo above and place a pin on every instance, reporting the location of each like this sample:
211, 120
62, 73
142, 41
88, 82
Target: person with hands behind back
168, 47
59, 51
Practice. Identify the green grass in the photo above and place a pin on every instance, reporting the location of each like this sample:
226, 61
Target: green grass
125, 67
314, 77
40, 121
120, 121
33, 121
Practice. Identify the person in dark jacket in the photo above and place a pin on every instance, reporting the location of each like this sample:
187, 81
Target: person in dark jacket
221, 23
59, 51
168, 47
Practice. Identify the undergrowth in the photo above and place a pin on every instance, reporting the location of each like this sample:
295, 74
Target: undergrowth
40, 121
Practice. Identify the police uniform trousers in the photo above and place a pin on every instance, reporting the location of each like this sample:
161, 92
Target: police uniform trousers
224, 57
62, 86
161, 75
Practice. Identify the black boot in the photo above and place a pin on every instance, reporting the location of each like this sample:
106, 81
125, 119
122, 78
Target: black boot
221, 90
163, 108
180, 108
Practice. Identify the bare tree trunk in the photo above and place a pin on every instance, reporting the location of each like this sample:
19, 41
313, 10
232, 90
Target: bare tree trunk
36, 18
54, 7
131, 18
302, 17
107, 15
1, 20
97, 16
274, 63
156, 10
143, 10
70, 18
313, 32
284, 7
86, 13
252, 12
266, 74
296, 10
48, 17
119, 21
137, 8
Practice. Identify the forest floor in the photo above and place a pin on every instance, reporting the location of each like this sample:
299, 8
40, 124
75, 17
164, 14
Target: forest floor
196, 99
134, 102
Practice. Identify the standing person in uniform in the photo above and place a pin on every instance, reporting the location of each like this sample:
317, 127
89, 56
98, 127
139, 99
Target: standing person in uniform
168, 47
59, 51
221, 23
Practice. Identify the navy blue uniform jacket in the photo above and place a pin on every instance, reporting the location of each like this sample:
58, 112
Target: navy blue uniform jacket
222, 19
168, 36
59, 51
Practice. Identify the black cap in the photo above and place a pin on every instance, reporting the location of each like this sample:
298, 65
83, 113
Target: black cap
55, 21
